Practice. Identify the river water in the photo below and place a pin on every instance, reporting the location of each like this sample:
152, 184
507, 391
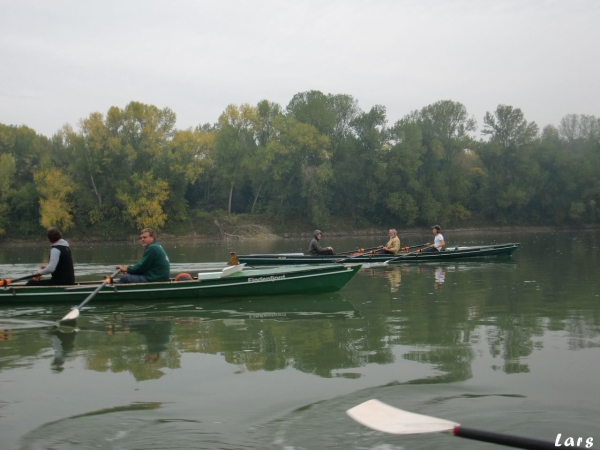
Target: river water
508, 344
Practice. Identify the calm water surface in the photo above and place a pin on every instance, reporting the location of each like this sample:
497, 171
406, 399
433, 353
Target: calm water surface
510, 345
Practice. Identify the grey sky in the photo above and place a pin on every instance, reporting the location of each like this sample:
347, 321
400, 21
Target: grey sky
62, 60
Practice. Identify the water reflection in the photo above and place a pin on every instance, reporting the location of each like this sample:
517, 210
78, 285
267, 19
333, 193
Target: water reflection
320, 335
147, 339
62, 341
394, 276
140, 345
440, 277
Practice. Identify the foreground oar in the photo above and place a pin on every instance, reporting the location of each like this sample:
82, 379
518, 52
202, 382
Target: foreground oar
74, 313
6, 281
382, 417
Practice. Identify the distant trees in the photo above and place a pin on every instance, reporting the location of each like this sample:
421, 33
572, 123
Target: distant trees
319, 158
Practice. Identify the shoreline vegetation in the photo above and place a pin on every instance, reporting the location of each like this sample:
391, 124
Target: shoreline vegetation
321, 162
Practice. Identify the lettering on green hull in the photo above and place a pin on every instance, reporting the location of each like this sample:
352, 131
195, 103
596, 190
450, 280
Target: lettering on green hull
271, 278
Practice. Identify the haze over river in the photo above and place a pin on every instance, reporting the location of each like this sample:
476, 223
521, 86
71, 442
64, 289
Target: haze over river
507, 344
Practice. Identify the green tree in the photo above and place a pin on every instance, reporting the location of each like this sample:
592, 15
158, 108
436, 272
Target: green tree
296, 160
235, 142
508, 128
514, 174
7, 172
330, 114
448, 125
360, 168
402, 163
115, 157
260, 167
180, 165
30, 152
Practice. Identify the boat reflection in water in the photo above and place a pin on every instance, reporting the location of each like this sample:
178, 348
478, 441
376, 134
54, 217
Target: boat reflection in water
147, 339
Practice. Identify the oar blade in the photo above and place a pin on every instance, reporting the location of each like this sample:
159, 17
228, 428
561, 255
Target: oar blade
382, 417
72, 315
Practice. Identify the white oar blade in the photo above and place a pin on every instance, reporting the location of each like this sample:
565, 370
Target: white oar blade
74, 314
230, 270
382, 417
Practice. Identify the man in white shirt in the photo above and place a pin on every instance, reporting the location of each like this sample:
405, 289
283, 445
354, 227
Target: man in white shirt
438, 242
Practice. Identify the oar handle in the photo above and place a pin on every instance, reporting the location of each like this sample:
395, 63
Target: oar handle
504, 439
6, 281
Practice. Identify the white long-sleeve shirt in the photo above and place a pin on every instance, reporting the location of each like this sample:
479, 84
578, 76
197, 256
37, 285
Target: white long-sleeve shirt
54, 257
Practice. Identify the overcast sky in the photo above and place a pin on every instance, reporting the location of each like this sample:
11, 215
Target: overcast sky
62, 60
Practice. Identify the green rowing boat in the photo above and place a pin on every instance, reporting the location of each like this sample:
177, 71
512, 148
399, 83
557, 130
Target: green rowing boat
232, 281
280, 259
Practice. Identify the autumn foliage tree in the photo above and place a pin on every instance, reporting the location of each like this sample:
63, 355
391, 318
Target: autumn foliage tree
320, 159
55, 188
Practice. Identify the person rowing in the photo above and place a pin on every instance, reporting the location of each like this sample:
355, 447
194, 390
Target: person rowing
438, 242
315, 247
154, 265
393, 245
60, 262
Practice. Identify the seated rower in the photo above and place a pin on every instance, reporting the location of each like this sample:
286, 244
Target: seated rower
393, 245
316, 249
60, 263
154, 265
438, 242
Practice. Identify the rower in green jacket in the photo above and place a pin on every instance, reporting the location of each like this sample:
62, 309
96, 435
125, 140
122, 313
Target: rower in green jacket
154, 265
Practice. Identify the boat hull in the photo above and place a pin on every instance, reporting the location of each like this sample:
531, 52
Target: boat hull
249, 282
452, 253
458, 253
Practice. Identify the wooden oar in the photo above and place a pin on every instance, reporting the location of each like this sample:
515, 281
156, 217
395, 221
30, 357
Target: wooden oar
74, 313
358, 250
382, 417
358, 253
398, 258
6, 281
367, 254
413, 246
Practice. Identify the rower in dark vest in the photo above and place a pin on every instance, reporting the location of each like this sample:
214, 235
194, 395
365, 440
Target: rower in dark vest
60, 262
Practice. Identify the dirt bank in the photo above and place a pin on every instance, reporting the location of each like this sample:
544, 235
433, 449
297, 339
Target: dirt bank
369, 232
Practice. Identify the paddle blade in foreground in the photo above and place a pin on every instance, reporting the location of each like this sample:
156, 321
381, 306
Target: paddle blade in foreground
381, 417
74, 314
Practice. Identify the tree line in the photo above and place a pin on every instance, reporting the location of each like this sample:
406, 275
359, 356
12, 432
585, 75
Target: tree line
319, 159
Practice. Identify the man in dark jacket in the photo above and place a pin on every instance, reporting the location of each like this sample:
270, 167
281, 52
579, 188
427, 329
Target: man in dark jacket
154, 265
60, 262
316, 249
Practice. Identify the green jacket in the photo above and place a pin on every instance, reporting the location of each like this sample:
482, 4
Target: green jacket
154, 264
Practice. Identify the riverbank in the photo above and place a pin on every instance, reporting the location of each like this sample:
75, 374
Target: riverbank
268, 234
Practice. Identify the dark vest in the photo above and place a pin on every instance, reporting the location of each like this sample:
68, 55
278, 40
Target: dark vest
64, 272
